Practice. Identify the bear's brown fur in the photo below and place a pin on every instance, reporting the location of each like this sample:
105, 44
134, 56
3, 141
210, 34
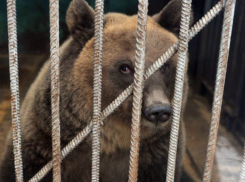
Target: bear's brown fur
76, 86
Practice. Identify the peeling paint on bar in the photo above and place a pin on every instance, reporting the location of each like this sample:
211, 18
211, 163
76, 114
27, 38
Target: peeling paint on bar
55, 88
179, 86
219, 87
138, 89
14, 86
97, 87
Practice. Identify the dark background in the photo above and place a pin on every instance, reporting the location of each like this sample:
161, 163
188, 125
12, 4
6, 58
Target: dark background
33, 37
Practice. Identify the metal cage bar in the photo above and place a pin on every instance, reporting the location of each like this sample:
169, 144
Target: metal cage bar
219, 86
126, 93
242, 174
65, 151
179, 86
14, 87
98, 46
138, 89
55, 90
206, 18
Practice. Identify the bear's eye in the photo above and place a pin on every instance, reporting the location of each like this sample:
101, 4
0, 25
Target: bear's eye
124, 68
165, 67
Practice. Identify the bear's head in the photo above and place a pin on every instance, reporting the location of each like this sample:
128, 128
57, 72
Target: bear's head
119, 44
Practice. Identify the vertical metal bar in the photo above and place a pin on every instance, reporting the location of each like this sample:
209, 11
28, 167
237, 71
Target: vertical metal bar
242, 174
55, 90
65, 151
14, 85
98, 48
179, 85
138, 89
219, 86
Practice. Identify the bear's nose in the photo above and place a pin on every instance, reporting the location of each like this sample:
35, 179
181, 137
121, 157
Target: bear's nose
158, 113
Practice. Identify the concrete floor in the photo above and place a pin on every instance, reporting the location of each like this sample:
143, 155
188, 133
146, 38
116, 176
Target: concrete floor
228, 156
197, 119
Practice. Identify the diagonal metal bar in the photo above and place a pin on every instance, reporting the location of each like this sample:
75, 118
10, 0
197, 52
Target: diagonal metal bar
179, 85
55, 90
192, 33
206, 18
98, 46
65, 151
138, 89
219, 86
127, 92
242, 174
14, 86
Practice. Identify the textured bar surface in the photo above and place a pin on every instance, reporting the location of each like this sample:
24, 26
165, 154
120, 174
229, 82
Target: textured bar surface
126, 93
219, 87
55, 90
179, 85
242, 175
98, 46
14, 86
138, 89
206, 18
65, 151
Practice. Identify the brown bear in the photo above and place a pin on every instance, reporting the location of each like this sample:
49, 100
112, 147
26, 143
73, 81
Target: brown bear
76, 86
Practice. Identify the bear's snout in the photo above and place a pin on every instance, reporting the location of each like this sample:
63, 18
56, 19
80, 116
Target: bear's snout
156, 102
158, 113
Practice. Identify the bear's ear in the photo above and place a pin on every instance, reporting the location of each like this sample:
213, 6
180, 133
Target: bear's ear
170, 16
80, 20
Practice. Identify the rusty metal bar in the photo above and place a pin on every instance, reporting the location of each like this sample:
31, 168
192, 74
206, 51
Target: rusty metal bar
14, 86
242, 174
126, 93
179, 85
138, 89
55, 90
219, 86
98, 46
